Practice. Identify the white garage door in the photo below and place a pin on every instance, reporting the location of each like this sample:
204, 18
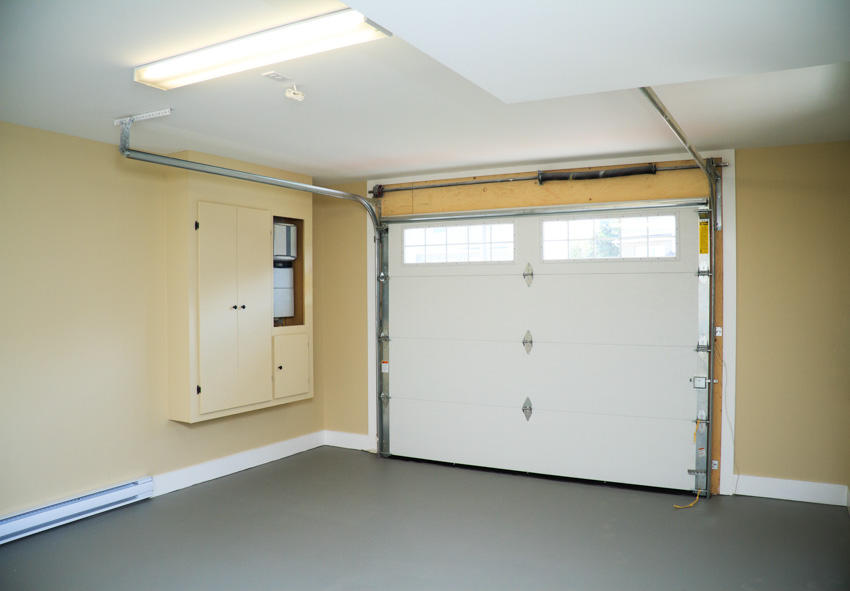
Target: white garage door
563, 345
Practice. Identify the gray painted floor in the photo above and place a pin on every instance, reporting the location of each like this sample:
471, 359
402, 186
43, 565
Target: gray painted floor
341, 519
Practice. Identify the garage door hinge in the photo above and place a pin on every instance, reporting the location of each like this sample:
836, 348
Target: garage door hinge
703, 349
528, 274
526, 409
704, 273
527, 342
695, 472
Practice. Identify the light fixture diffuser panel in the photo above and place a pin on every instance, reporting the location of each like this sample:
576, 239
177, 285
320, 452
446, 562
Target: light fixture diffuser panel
299, 39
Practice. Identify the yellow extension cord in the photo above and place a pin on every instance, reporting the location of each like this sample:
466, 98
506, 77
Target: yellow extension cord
696, 500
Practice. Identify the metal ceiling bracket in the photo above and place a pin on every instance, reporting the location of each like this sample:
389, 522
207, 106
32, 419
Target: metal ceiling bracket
528, 274
127, 122
526, 409
527, 342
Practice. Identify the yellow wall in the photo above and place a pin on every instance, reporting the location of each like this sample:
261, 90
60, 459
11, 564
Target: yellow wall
83, 314
793, 386
341, 329
83, 355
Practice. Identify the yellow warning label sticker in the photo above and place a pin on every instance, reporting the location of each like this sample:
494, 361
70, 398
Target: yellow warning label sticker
703, 236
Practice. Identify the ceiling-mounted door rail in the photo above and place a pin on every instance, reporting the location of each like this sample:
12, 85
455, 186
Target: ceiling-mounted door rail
127, 122
379, 229
707, 166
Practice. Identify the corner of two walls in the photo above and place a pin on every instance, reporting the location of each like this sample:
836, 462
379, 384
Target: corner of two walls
341, 366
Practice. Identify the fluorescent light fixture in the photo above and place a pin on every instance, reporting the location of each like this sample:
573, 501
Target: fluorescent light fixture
314, 35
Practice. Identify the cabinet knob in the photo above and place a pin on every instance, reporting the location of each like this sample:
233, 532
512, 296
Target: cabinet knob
234, 307
243, 306
280, 367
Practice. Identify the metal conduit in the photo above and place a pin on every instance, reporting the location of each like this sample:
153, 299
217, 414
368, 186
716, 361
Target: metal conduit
266, 180
248, 176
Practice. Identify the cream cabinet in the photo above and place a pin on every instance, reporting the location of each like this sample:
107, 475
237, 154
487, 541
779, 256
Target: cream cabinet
223, 349
234, 306
291, 365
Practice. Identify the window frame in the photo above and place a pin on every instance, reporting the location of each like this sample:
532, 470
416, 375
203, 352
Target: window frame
619, 216
466, 224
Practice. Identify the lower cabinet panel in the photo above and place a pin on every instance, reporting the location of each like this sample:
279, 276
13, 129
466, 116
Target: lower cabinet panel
291, 365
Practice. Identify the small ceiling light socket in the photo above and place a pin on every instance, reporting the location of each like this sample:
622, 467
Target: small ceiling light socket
293, 93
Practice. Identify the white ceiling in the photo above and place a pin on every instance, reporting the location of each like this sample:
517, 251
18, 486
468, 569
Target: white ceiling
462, 84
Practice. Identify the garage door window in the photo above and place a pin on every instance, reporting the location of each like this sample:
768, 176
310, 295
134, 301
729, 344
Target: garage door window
609, 238
478, 243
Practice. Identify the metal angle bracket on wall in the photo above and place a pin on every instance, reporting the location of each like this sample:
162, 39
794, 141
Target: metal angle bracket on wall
126, 122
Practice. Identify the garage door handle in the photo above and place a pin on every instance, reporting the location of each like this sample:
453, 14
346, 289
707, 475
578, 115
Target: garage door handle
527, 342
528, 274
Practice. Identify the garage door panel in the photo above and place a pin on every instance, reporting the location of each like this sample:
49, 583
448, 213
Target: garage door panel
629, 310
613, 380
554, 376
565, 444
609, 374
472, 372
614, 309
443, 307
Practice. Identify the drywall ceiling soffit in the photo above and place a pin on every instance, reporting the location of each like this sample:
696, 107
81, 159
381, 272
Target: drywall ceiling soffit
375, 110
544, 49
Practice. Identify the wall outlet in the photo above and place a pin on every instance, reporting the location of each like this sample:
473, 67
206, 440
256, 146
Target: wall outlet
715, 464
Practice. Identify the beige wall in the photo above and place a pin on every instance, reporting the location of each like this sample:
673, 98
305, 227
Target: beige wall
341, 329
84, 360
793, 386
83, 355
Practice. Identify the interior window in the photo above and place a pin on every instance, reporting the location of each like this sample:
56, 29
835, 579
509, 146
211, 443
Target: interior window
476, 243
633, 237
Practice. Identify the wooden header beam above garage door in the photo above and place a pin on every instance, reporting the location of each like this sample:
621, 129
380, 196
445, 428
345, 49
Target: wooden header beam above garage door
669, 184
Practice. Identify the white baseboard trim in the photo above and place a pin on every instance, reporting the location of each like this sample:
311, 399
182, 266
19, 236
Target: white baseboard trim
793, 490
191, 475
351, 441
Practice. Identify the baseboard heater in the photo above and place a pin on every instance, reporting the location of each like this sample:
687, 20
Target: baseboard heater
55, 514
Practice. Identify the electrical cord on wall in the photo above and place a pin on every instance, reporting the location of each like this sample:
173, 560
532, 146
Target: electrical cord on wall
718, 349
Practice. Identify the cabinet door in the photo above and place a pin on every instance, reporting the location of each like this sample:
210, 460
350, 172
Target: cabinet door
255, 285
291, 365
217, 306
